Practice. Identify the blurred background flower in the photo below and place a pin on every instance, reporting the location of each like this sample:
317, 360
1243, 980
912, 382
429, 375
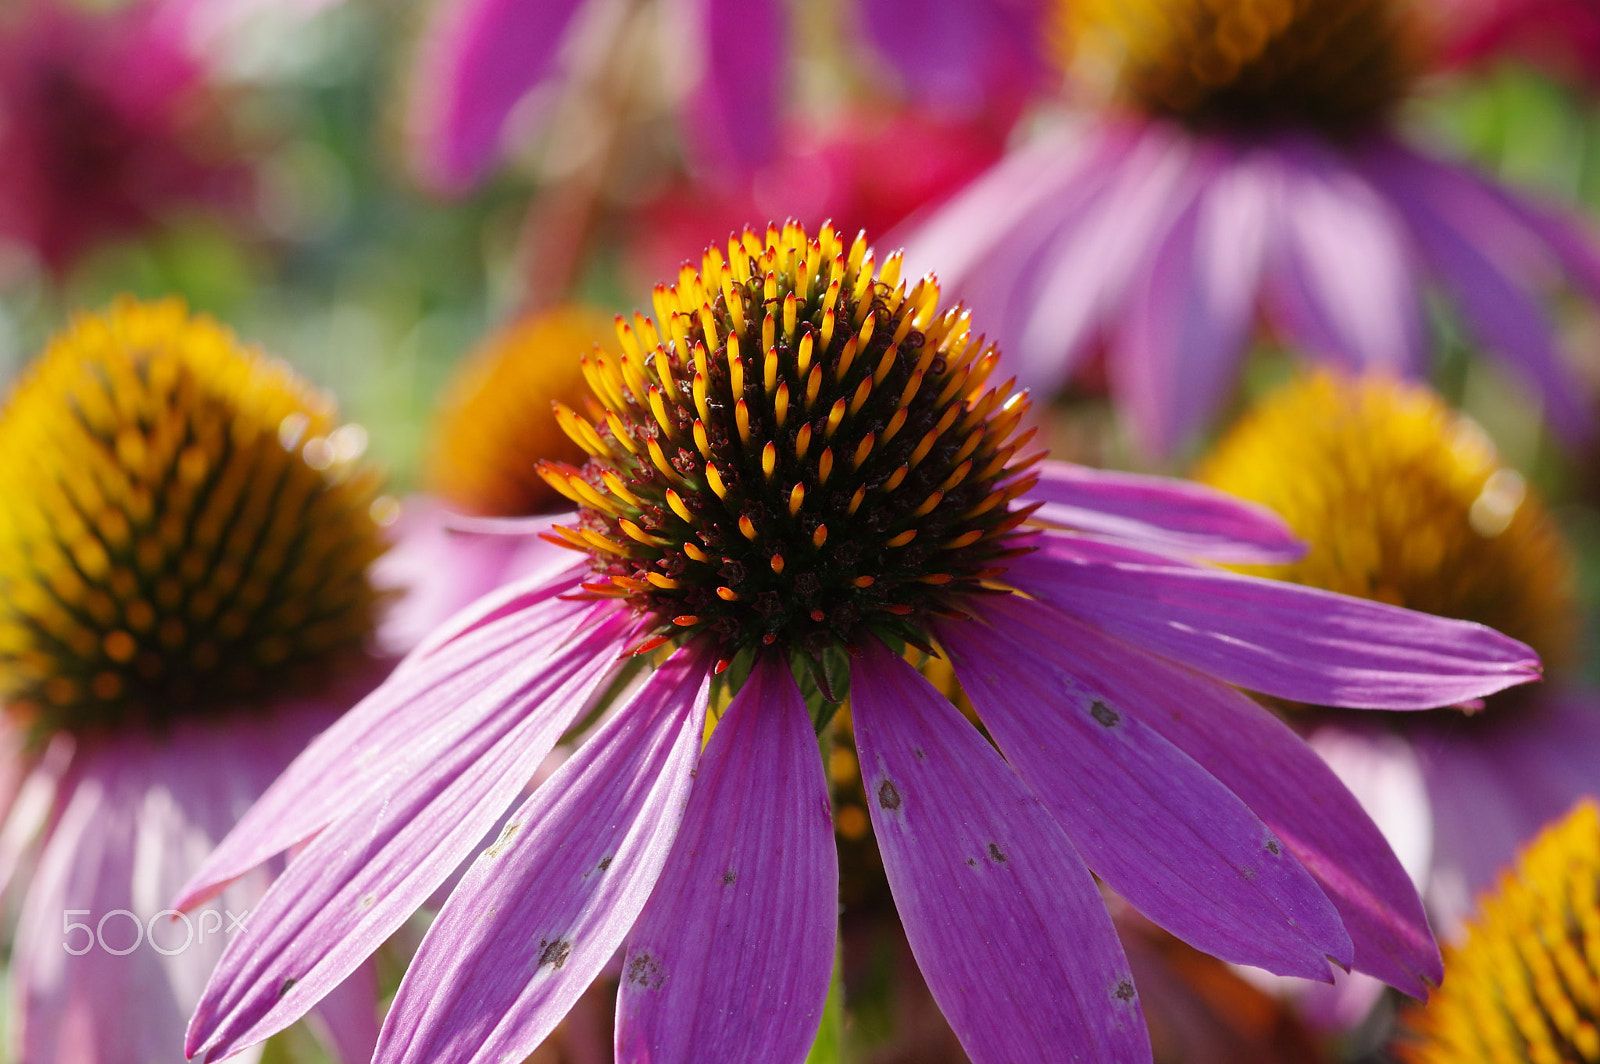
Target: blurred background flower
106, 129
1245, 170
185, 530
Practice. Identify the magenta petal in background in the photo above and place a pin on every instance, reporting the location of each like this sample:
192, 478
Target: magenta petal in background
1191, 312
540, 912
368, 871
1344, 280
1282, 639
479, 59
1163, 514
732, 118
1159, 829
1004, 920
1284, 782
731, 957
1485, 255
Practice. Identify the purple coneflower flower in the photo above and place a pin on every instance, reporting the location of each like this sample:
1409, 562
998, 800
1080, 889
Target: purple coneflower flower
1250, 171
183, 541
804, 470
1405, 501
103, 128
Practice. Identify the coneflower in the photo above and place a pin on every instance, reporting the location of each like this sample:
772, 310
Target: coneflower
801, 468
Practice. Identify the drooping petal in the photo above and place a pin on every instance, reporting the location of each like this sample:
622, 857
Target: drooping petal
1006, 924
369, 870
1090, 271
102, 971
1493, 782
1191, 311
1257, 756
1159, 829
540, 912
396, 727
993, 242
731, 957
1282, 639
734, 111
479, 59
1345, 284
31, 807
1492, 263
1163, 514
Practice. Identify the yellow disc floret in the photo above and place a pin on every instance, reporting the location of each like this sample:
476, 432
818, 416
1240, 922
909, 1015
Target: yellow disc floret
496, 421
1333, 65
1404, 501
183, 524
806, 445
1524, 987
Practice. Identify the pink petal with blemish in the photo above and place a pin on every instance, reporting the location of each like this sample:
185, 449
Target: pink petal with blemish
1257, 756
368, 871
1005, 922
1159, 829
420, 710
540, 913
731, 957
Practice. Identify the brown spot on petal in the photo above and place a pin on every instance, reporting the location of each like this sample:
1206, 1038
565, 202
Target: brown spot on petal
554, 953
644, 970
605, 863
1104, 713
729, 878
1272, 847
888, 795
506, 835
1124, 990
995, 853
286, 985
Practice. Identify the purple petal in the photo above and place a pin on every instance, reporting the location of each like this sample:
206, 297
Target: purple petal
34, 802
541, 912
396, 727
1092, 268
479, 59
435, 571
1489, 260
1159, 829
1261, 760
1495, 781
138, 816
1163, 514
954, 53
1192, 312
731, 957
734, 111
1006, 924
1345, 283
368, 871
1282, 639
993, 242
